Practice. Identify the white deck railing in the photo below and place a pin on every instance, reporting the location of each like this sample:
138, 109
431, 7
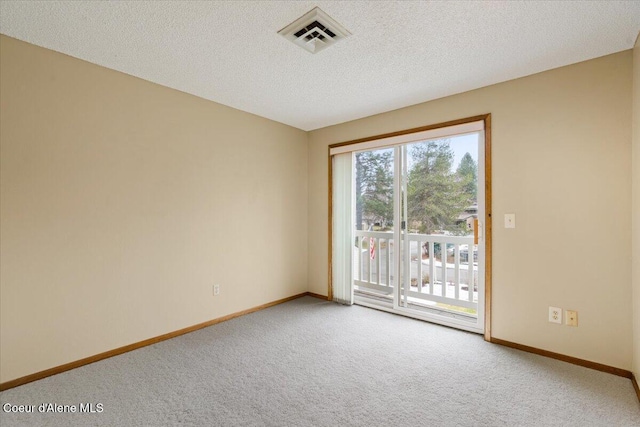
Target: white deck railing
452, 280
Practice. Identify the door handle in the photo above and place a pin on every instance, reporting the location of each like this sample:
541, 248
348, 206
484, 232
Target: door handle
477, 231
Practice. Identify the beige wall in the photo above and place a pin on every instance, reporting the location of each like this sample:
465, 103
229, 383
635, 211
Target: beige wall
635, 210
561, 144
123, 202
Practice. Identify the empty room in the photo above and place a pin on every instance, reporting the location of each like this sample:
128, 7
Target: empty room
358, 213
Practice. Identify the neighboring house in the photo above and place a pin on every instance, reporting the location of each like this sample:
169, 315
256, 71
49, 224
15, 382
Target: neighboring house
468, 216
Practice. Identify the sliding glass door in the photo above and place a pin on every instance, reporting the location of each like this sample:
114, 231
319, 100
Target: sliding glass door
417, 241
375, 242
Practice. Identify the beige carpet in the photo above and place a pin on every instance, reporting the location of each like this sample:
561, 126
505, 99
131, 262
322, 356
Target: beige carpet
314, 363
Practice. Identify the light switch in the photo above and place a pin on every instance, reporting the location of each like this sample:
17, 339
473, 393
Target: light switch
510, 220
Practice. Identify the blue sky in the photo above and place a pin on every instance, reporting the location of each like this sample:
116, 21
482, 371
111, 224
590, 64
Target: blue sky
464, 144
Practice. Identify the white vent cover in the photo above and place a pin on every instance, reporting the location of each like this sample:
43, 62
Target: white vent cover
314, 31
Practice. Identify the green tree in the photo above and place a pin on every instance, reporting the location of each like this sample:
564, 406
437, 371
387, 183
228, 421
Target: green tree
435, 197
374, 187
468, 175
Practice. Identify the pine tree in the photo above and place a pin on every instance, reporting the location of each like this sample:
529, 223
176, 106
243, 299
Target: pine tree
374, 187
468, 174
435, 197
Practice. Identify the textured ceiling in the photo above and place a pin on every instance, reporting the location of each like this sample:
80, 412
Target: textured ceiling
401, 53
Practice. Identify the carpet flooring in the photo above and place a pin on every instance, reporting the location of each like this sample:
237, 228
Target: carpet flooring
310, 362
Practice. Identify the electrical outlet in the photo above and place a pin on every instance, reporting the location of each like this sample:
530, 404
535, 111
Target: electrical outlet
571, 317
555, 315
216, 290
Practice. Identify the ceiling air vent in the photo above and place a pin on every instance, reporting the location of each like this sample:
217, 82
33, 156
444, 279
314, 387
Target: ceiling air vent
314, 31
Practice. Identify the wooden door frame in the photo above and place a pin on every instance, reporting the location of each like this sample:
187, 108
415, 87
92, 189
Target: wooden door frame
486, 118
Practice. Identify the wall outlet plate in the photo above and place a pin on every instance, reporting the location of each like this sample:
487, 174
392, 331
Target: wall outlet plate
216, 290
571, 318
510, 220
555, 315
